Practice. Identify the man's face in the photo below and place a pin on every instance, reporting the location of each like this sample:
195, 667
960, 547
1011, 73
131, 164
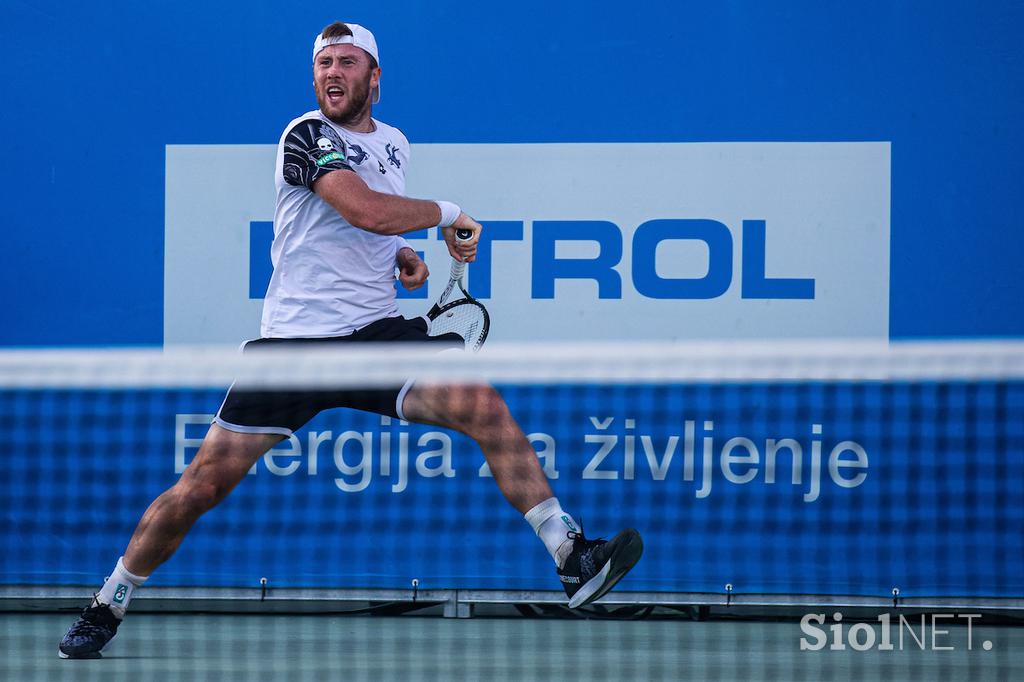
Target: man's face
343, 78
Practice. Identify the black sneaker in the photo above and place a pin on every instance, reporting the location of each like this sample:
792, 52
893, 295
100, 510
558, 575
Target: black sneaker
594, 566
90, 633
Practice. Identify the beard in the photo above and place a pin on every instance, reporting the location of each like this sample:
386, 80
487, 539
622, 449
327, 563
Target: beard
354, 105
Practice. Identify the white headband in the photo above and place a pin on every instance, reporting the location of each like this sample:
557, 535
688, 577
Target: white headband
322, 42
361, 38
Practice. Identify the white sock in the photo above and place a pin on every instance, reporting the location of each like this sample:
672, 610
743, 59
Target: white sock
552, 526
118, 589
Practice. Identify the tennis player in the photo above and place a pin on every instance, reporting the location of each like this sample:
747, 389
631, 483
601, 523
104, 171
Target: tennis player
339, 216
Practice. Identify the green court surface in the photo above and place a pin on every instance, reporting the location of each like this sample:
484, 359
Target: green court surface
164, 646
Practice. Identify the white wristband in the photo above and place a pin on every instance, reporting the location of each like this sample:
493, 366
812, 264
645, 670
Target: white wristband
449, 213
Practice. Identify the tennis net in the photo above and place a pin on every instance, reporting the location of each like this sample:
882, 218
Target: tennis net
797, 473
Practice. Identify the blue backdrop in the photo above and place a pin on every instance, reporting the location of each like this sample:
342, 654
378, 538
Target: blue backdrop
93, 92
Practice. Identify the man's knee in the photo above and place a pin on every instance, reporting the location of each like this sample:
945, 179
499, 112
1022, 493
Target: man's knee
478, 408
221, 463
198, 496
205, 483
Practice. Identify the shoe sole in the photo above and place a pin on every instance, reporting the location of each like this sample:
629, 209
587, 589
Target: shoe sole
89, 655
618, 565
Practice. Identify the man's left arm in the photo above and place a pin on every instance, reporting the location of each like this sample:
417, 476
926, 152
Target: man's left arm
412, 271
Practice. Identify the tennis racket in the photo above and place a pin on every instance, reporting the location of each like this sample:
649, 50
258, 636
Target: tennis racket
465, 315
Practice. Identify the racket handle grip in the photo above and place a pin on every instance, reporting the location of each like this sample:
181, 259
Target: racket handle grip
459, 267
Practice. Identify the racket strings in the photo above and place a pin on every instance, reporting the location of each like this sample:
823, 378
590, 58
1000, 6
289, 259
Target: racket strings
466, 318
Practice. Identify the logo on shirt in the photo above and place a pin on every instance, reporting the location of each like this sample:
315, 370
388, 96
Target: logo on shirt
392, 159
381, 168
328, 157
357, 154
328, 139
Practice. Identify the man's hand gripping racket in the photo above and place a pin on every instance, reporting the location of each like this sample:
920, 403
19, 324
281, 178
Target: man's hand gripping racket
464, 315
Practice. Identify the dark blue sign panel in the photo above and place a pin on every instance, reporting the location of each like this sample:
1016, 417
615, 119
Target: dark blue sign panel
822, 488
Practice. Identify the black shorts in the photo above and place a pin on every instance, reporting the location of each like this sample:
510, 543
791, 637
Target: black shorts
283, 412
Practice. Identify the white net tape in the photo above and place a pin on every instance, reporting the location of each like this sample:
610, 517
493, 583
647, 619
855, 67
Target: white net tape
531, 363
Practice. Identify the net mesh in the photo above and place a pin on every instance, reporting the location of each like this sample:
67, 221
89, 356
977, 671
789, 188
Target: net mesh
813, 476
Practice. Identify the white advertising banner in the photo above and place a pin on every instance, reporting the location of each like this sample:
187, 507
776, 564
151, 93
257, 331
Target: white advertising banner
582, 241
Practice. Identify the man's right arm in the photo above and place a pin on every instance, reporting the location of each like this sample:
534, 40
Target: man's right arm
373, 211
315, 158
391, 214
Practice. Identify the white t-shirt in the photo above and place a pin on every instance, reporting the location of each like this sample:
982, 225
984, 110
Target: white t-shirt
330, 278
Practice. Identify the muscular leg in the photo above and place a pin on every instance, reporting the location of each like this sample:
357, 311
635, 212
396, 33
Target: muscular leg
588, 569
481, 413
223, 460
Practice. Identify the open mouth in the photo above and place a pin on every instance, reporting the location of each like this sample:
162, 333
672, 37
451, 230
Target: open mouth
334, 94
